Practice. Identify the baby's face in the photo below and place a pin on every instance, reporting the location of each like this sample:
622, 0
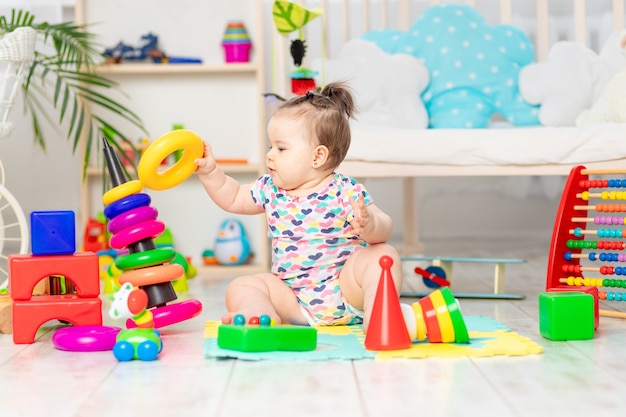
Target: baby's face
291, 153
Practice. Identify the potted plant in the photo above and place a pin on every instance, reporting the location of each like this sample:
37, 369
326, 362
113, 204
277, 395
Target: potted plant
63, 87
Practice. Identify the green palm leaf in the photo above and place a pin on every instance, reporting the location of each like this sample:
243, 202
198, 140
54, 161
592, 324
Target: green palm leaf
63, 77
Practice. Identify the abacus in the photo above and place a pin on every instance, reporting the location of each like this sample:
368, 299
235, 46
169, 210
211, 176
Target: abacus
588, 236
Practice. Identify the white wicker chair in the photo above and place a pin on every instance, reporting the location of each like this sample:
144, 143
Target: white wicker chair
16, 54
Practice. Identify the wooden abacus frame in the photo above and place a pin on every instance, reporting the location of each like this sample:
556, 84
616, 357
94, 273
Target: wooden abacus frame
565, 255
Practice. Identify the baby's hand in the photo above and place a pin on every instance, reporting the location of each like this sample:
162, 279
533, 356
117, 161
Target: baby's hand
361, 216
206, 164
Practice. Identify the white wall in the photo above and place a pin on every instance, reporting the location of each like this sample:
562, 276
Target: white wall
40, 180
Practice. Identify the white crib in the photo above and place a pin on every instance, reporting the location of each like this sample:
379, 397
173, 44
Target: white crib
385, 152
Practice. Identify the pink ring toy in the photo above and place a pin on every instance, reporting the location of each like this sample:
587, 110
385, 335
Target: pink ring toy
140, 231
85, 338
132, 217
172, 313
152, 275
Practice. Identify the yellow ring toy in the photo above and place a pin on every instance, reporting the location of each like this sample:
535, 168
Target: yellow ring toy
443, 317
458, 322
421, 324
121, 191
161, 148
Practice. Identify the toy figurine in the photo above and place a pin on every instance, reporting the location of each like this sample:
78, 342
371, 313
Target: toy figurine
232, 246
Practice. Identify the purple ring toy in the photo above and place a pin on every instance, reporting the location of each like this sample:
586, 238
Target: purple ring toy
85, 338
137, 232
125, 204
172, 313
131, 217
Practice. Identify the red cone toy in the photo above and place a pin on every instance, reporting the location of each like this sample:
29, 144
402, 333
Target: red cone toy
387, 330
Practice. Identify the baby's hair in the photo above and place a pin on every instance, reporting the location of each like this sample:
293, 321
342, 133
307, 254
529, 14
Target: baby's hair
327, 114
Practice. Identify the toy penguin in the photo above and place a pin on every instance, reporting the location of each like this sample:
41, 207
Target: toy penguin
232, 246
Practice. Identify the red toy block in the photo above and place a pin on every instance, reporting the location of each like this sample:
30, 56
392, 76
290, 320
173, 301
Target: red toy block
28, 316
387, 329
589, 290
25, 271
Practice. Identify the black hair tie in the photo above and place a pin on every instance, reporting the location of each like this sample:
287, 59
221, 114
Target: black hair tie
309, 95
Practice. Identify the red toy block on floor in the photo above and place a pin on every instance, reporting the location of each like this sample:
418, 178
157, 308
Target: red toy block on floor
28, 316
25, 271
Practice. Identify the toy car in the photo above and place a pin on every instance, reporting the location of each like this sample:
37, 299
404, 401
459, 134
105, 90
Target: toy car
138, 343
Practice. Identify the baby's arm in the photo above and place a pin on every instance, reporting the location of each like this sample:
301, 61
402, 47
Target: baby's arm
371, 223
224, 190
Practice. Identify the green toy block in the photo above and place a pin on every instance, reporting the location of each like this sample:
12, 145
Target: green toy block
253, 338
566, 315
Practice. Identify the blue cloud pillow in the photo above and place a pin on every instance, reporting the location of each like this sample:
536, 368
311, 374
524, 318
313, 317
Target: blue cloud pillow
473, 66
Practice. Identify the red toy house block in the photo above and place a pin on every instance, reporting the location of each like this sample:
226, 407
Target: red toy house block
28, 316
589, 290
25, 271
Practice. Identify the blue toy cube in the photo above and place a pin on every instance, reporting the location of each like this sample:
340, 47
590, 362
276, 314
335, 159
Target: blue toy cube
53, 232
566, 315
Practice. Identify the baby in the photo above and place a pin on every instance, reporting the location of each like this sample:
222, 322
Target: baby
327, 235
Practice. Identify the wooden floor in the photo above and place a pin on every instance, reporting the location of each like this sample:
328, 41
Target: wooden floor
579, 378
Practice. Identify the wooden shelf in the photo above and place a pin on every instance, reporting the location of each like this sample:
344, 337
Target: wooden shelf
225, 99
150, 68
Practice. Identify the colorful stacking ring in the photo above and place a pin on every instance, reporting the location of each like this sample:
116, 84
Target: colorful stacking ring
131, 217
458, 322
161, 148
152, 275
121, 191
432, 325
144, 230
125, 204
144, 259
419, 318
443, 317
172, 313
85, 338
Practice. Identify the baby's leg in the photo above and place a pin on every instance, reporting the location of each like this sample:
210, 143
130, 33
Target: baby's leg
360, 276
255, 295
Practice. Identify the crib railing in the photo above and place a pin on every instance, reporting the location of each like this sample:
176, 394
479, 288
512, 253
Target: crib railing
588, 22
